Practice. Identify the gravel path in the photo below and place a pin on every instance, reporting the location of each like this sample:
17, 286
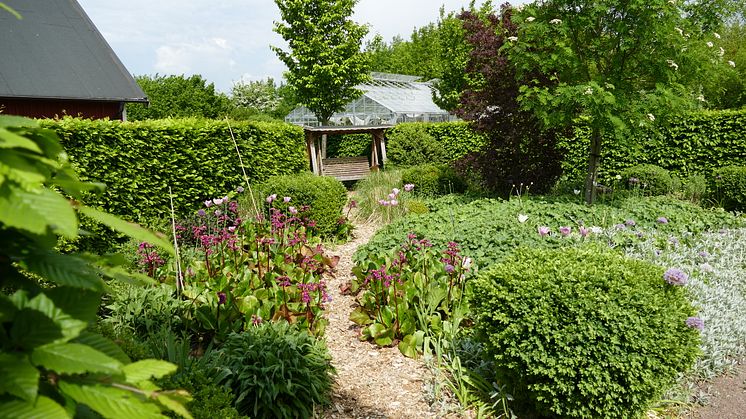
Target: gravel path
371, 382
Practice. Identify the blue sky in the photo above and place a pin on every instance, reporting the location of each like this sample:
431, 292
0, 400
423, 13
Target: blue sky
227, 40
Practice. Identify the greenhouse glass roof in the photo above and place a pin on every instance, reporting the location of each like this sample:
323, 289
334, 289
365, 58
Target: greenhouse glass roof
387, 99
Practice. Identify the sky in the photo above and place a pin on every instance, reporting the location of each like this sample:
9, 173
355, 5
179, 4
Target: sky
228, 40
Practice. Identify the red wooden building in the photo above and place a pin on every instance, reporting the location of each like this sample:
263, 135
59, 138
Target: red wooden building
54, 62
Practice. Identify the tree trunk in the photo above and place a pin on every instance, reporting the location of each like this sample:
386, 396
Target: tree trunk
594, 156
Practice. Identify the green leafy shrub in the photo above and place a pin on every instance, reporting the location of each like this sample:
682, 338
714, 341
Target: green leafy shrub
50, 365
144, 310
325, 196
411, 144
730, 183
584, 333
275, 371
209, 400
433, 180
649, 179
140, 161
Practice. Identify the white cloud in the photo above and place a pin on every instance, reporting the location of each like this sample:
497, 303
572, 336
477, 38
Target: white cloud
189, 58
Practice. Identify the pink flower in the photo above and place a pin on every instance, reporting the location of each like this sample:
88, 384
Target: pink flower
394, 202
392, 196
409, 187
583, 231
208, 203
271, 198
565, 230
544, 231
218, 201
286, 199
395, 191
292, 210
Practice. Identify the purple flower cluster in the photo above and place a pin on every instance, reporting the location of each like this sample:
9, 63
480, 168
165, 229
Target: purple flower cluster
675, 276
696, 323
149, 257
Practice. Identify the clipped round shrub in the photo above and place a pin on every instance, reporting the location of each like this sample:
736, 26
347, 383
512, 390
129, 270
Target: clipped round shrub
324, 195
411, 144
650, 179
583, 332
730, 183
275, 370
433, 180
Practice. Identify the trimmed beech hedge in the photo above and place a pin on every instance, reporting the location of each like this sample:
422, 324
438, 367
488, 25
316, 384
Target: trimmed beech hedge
454, 140
699, 142
138, 161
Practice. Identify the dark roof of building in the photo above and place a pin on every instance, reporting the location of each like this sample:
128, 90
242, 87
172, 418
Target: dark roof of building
56, 52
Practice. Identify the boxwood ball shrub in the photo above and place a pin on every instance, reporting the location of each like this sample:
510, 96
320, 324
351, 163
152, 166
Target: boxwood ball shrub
583, 332
650, 179
325, 196
432, 180
730, 185
275, 371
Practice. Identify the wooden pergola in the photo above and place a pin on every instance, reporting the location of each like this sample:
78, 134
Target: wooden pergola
345, 168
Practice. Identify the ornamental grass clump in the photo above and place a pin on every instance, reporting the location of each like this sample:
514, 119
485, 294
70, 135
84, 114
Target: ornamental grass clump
584, 332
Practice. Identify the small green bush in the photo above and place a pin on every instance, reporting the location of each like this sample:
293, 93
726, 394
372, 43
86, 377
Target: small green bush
584, 332
415, 206
143, 310
275, 371
326, 197
650, 179
209, 400
412, 144
433, 180
730, 183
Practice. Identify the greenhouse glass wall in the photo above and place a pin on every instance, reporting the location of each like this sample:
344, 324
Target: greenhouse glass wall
387, 99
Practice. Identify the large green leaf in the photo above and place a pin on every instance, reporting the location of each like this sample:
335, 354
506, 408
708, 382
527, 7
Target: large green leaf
40, 322
109, 402
74, 358
37, 211
19, 377
131, 229
9, 139
65, 270
147, 368
44, 407
103, 345
173, 402
80, 304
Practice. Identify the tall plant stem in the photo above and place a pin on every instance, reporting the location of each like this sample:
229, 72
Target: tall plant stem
594, 157
243, 168
177, 259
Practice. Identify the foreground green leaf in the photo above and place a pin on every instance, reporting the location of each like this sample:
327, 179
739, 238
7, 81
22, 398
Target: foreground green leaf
147, 368
19, 377
111, 403
133, 230
44, 407
74, 358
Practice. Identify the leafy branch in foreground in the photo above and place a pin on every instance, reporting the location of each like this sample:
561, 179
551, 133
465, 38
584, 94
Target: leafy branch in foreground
51, 366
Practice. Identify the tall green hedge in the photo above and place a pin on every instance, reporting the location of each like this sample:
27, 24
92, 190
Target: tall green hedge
139, 161
456, 138
698, 142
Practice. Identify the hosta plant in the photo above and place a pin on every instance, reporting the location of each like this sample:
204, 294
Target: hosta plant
51, 367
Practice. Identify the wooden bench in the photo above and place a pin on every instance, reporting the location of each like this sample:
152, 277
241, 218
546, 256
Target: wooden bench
346, 168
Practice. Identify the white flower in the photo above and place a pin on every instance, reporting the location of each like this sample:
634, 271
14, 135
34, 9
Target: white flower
530, 19
588, 91
651, 117
672, 64
717, 35
576, 191
522, 218
706, 267
731, 63
467, 263
618, 177
596, 230
710, 44
671, 1
722, 52
680, 31
701, 98
512, 38
555, 21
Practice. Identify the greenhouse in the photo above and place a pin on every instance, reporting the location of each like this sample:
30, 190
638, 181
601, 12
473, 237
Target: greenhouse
387, 99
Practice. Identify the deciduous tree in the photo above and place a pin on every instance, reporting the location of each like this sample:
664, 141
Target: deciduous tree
324, 61
178, 96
